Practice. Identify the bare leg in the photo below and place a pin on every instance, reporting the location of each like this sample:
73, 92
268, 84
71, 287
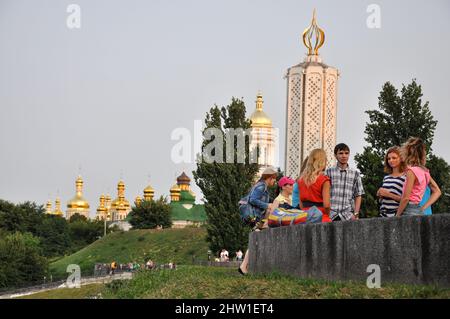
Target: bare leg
274, 206
244, 264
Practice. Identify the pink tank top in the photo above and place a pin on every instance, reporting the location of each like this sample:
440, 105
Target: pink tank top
422, 180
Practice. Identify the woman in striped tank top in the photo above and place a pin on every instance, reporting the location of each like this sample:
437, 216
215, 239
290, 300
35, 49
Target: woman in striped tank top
390, 193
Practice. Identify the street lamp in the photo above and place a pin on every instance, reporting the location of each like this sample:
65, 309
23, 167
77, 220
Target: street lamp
104, 219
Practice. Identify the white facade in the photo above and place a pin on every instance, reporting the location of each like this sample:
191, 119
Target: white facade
311, 111
263, 135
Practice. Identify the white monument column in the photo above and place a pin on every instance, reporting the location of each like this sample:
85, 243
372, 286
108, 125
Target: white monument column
311, 104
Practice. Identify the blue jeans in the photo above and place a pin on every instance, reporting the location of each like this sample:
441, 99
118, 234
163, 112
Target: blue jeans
314, 215
412, 210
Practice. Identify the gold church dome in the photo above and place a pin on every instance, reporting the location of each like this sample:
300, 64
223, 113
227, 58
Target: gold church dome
149, 190
259, 118
175, 189
58, 210
78, 201
120, 202
102, 208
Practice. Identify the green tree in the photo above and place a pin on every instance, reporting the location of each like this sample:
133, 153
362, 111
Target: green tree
398, 117
55, 236
21, 260
224, 183
83, 231
77, 218
24, 217
151, 214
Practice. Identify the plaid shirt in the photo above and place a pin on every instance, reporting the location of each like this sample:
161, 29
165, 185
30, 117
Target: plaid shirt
346, 185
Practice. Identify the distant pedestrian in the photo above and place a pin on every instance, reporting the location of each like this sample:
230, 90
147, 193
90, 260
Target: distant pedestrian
239, 255
113, 267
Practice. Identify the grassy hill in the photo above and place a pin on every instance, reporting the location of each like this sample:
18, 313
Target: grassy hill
162, 246
210, 282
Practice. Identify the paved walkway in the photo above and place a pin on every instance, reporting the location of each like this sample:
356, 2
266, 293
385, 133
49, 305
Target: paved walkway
84, 281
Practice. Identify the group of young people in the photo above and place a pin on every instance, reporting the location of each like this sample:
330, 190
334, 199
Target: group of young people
337, 191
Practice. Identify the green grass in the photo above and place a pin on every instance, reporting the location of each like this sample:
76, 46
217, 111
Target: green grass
162, 246
85, 292
197, 282
203, 282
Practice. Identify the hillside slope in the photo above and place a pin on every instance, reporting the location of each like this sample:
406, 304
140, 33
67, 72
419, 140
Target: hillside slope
162, 246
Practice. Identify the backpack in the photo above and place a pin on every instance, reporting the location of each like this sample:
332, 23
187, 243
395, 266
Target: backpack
247, 212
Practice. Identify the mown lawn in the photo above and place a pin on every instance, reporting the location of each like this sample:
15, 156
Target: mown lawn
208, 282
197, 282
85, 292
162, 246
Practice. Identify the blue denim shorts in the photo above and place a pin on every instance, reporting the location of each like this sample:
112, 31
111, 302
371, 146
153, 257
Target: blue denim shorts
412, 210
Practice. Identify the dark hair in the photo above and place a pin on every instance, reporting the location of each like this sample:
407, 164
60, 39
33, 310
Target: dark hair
341, 147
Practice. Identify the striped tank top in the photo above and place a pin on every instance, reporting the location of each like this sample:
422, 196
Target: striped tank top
395, 186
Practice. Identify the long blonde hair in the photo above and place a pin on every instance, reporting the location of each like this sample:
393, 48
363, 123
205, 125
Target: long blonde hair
317, 161
413, 152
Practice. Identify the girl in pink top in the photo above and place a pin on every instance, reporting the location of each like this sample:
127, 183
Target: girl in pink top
417, 178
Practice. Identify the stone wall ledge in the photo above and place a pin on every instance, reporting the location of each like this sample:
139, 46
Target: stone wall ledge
409, 250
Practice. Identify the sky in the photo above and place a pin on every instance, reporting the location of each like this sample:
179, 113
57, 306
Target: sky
102, 100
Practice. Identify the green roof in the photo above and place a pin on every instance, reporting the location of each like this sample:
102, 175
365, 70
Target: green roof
195, 214
186, 198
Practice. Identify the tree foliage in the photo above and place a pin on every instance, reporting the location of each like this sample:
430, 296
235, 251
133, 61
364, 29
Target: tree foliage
224, 183
398, 117
151, 214
21, 260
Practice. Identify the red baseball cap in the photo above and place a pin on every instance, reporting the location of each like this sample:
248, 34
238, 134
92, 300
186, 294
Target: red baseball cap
285, 180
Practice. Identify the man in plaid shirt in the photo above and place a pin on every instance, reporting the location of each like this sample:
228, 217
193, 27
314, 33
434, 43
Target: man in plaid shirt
346, 187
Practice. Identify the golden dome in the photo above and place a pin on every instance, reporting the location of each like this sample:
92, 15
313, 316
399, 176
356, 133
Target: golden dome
58, 210
175, 189
149, 190
118, 202
78, 201
102, 208
48, 209
138, 200
258, 117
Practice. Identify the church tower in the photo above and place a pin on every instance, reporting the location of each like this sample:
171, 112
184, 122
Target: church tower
78, 204
311, 104
263, 135
120, 207
58, 211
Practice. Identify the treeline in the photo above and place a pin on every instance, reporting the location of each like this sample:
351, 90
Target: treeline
30, 239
